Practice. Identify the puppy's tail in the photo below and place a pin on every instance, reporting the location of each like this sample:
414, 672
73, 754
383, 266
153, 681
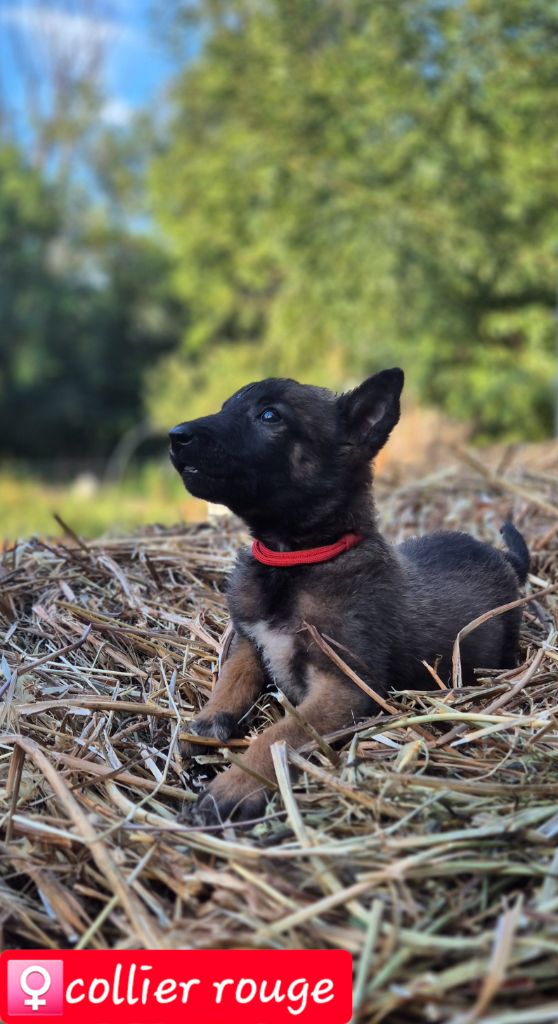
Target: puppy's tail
518, 553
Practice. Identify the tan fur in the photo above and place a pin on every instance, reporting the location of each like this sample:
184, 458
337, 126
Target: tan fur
240, 683
301, 462
323, 707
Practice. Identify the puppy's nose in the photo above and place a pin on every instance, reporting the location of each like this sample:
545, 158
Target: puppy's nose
181, 435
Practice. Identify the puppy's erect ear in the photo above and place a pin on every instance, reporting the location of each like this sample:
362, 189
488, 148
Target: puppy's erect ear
371, 411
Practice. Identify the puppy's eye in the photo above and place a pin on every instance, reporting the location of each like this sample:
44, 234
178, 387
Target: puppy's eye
270, 415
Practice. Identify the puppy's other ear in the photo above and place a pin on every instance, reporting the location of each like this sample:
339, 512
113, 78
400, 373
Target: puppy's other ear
370, 412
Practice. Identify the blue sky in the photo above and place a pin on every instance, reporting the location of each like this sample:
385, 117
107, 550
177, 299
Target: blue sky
137, 63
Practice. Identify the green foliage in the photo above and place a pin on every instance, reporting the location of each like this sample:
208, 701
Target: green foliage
154, 494
347, 185
85, 308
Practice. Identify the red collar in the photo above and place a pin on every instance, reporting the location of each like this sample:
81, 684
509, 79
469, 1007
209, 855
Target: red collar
284, 558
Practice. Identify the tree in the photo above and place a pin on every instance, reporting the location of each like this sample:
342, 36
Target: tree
84, 295
50, 100
83, 314
347, 185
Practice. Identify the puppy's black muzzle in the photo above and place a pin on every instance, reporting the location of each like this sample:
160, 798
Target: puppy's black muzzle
181, 439
190, 443
181, 435
195, 448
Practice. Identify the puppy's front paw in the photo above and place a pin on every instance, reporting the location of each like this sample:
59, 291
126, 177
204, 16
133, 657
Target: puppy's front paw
232, 795
220, 726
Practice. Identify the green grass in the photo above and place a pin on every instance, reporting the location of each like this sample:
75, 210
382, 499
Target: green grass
153, 494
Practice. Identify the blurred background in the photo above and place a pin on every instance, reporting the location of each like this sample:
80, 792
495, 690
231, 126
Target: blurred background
197, 194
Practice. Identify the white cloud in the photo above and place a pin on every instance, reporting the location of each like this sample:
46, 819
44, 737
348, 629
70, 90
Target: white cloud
116, 112
62, 28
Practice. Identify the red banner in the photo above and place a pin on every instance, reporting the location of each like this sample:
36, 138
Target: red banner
171, 986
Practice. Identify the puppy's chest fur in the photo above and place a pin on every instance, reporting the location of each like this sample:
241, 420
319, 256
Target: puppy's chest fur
276, 645
272, 618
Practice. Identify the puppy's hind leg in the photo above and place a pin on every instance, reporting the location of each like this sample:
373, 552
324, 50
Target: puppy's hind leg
240, 682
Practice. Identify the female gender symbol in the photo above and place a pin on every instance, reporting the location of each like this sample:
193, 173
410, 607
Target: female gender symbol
34, 1002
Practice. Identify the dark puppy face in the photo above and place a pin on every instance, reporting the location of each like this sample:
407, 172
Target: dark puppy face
286, 454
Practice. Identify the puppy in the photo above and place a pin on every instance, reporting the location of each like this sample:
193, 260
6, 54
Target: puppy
294, 462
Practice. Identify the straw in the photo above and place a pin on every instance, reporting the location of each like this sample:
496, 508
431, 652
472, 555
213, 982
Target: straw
423, 840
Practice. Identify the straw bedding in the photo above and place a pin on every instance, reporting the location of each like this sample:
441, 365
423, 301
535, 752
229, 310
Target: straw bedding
424, 841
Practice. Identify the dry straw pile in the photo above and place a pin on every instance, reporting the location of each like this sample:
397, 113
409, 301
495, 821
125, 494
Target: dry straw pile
423, 842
